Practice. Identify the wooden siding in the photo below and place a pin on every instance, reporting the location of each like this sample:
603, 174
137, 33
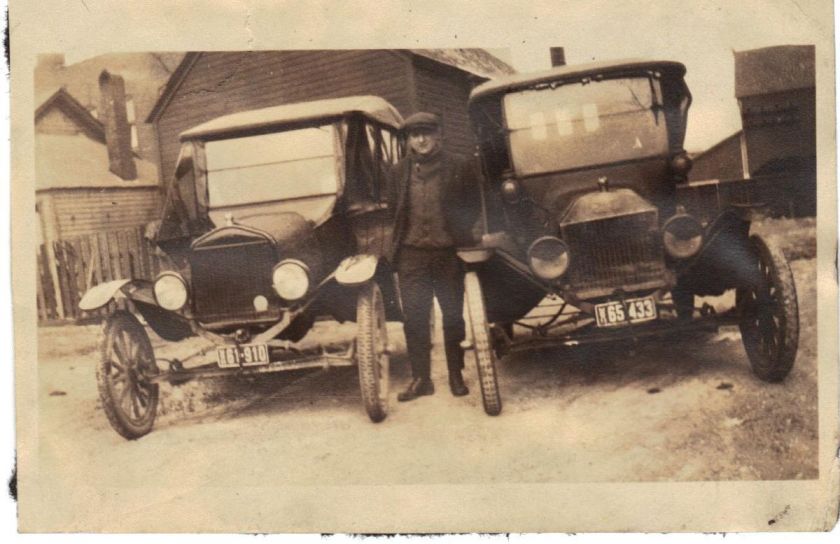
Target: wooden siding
444, 91
723, 161
56, 121
779, 125
226, 82
80, 212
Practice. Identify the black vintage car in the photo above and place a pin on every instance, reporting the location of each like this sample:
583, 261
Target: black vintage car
275, 217
589, 217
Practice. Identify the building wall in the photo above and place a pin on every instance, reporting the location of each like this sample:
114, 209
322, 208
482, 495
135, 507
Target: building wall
723, 161
226, 82
445, 91
779, 126
57, 122
77, 212
145, 74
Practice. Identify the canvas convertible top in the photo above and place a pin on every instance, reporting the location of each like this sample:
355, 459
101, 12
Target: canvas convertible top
373, 107
522, 81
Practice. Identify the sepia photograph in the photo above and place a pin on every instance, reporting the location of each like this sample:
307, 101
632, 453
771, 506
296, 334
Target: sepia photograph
430, 272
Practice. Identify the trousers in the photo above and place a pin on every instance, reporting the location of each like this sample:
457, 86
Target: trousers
423, 275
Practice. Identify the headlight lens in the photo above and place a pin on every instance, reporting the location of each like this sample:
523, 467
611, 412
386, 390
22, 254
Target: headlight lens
170, 291
682, 236
548, 257
290, 280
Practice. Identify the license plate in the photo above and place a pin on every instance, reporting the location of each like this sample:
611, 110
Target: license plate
242, 355
633, 310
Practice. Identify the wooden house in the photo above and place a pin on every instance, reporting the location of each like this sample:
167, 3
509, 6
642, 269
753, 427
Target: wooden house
144, 75
776, 93
77, 193
721, 161
210, 84
90, 187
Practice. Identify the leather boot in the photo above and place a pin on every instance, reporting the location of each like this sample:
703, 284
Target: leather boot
456, 384
417, 388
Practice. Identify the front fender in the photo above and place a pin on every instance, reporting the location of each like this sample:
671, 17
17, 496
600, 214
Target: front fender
100, 295
726, 259
356, 270
475, 255
168, 325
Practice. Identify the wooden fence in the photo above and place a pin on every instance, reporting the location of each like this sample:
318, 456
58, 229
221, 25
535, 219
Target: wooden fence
68, 268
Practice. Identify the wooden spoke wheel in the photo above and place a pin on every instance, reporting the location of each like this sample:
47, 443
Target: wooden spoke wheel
485, 356
372, 351
769, 313
126, 363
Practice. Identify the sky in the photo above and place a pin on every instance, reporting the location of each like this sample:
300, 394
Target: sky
702, 35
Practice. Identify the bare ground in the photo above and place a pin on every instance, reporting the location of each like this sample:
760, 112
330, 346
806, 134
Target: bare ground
685, 409
682, 409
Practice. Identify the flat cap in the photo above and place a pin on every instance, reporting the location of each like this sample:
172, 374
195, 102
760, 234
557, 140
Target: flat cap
421, 119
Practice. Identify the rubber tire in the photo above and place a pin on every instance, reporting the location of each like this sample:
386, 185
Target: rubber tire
372, 351
126, 424
485, 356
773, 266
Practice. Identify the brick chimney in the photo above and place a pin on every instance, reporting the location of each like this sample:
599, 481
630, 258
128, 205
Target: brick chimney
558, 56
117, 129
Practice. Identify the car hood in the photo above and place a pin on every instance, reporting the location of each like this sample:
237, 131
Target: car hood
605, 204
286, 231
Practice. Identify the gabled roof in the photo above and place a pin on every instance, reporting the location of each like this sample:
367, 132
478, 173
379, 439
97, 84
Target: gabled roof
172, 85
774, 69
71, 107
521, 81
725, 141
373, 107
65, 161
476, 62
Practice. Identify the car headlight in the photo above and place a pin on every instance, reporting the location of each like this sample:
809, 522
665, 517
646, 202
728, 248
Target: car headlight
290, 279
170, 291
548, 257
682, 236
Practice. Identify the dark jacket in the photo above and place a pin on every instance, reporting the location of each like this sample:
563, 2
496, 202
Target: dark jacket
460, 193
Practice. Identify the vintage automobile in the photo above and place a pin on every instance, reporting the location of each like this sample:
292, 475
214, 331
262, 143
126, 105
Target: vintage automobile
275, 217
592, 232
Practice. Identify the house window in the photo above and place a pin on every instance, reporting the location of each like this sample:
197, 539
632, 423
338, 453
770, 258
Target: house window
132, 122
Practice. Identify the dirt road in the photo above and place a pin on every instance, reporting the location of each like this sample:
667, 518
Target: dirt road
685, 409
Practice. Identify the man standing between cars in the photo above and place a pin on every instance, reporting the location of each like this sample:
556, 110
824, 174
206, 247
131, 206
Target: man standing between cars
435, 198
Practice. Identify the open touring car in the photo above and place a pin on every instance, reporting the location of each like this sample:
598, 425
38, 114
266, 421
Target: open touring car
275, 217
587, 203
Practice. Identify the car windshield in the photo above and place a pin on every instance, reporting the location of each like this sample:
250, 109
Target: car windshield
297, 163
585, 123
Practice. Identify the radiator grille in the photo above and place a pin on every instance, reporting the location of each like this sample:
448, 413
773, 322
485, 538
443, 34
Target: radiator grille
618, 252
226, 279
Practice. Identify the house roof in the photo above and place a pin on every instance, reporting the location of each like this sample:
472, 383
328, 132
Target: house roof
71, 107
774, 69
76, 161
473, 61
371, 106
478, 62
521, 81
735, 136
172, 85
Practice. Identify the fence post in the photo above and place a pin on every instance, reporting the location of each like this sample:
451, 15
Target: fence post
43, 304
56, 284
